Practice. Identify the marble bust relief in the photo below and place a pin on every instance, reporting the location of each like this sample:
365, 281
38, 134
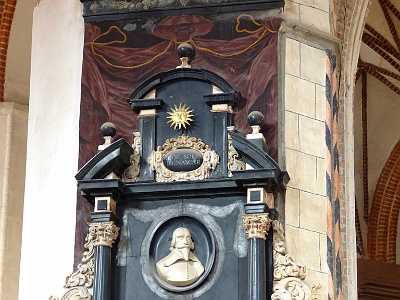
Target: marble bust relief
181, 267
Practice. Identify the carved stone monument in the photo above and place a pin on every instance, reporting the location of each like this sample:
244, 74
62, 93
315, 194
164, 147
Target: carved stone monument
188, 178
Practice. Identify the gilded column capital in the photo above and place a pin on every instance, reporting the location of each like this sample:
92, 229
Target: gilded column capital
104, 233
257, 225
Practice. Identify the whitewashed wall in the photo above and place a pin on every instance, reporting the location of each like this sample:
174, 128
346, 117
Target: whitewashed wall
52, 154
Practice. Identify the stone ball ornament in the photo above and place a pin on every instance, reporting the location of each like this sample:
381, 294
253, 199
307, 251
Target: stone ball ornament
185, 50
108, 129
255, 118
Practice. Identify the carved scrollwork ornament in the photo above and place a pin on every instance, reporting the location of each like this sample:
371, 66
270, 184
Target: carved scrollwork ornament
257, 225
75, 293
294, 289
104, 234
234, 162
83, 276
284, 265
131, 173
163, 174
79, 282
289, 275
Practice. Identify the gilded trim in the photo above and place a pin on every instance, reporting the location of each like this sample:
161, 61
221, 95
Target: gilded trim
131, 173
104, 234
234, 162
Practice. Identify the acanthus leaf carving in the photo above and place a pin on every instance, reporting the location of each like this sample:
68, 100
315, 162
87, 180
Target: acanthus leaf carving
289, 275
83, 276
292, 288
79, 282
104, 233
284, 265
75, 293
257, 225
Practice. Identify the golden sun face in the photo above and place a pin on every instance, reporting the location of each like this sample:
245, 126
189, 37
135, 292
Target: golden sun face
180, 116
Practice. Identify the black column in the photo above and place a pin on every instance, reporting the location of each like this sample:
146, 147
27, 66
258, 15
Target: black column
105, 232
259, 258
257, 270
269, 263
269, 253
102, 270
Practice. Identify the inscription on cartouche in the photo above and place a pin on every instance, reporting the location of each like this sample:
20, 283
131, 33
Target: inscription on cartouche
183, 160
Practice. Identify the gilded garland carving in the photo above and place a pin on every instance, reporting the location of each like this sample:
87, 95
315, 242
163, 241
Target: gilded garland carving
163, 174
234, 162
131, 174
257, 225
288, 275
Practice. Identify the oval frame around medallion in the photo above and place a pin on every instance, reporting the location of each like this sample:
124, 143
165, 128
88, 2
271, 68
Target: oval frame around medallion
160, 242
191, 160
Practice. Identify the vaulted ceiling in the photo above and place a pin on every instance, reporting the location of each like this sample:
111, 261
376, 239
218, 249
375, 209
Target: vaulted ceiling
380, 49
377, 130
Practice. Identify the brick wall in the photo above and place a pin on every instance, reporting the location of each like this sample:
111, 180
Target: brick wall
382, 230
7, 9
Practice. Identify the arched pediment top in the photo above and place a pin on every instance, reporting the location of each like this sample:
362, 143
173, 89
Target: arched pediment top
163, 78
113, 159
264, 167
251, 154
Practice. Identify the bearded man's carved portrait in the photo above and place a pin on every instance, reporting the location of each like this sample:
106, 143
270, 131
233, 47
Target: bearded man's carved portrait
181, 267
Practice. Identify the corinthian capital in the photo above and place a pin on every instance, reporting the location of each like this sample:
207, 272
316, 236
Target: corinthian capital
257, 225
103, 234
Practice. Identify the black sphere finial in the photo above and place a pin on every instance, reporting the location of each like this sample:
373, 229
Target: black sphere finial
185, 50
256, 118
108, 129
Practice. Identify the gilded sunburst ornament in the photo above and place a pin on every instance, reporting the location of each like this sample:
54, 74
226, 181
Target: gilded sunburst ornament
180, 116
